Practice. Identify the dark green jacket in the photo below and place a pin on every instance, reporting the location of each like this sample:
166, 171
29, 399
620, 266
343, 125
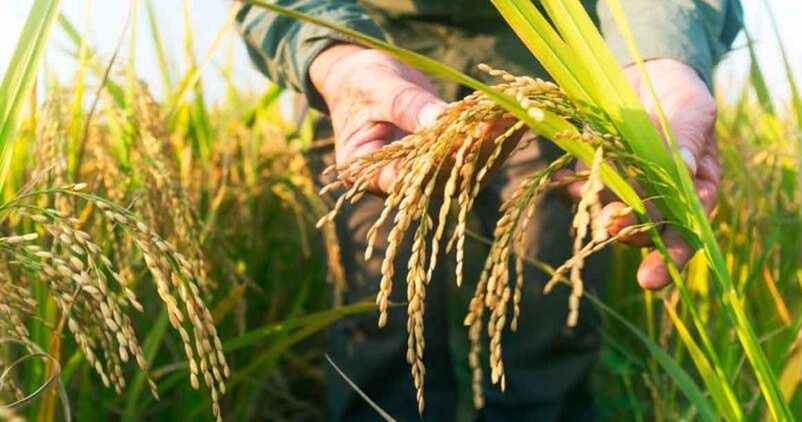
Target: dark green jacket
463, 33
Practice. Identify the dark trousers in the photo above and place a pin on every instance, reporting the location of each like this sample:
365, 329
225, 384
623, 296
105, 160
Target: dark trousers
547, 364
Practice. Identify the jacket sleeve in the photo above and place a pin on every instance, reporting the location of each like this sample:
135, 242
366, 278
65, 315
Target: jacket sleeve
282, 48
695, 32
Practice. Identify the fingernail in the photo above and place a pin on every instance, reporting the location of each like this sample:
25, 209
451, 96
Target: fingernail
689, 159
429, 113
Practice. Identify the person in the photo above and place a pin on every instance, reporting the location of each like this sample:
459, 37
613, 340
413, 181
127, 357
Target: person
373, 99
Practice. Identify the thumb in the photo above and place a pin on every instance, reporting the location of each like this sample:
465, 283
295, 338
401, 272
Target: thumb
692, 119
689, 129
410, 106
691, 139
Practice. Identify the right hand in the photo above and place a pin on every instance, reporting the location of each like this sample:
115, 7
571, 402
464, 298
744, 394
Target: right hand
373, 99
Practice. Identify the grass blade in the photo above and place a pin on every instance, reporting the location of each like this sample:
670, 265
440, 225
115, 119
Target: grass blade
790, 377
796, 98
361, 393
719, 389
114, 89
683, 380
20, 76
613, 92
757, 78
544, 43
253, 336
161, 55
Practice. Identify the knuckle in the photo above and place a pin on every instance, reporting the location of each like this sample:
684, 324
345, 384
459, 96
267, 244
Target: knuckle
692, 136
399, 101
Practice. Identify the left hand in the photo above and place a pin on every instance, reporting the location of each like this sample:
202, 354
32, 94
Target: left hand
690, 110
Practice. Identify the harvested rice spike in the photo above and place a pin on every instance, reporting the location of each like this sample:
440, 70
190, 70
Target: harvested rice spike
474, 319
402, 221
392, 201
416, 293
499, 144
454, 140
448, 194
464, 204
588, 209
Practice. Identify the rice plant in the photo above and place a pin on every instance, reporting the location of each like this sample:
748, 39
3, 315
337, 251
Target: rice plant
67, 267
94, 272
133, 215
597, 92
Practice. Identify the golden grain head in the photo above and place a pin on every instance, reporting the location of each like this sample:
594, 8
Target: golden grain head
455, 146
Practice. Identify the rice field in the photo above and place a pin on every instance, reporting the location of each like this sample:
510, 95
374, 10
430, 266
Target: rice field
174, 258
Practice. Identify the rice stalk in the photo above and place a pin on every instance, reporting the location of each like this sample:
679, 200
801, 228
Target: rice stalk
96, 299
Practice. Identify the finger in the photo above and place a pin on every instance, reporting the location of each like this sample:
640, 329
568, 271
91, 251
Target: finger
691, 116
382, 182
490, 131
617, 216
572, 189
565, 192
653, 272
623, 220
709, 168
652, 210
493, 129
386, 177
707, 181
408, 106
563, 174
689, 157
708, 193
367, 140
358, 139
694, 129
429, 113
607, 196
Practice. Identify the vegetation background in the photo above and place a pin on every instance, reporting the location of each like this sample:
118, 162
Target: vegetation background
106, 18
212, 156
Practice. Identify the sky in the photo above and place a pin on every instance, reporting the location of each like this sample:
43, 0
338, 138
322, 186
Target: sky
103, 21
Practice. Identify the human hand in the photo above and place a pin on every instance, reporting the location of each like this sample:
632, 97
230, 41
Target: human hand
373, 99
691, 113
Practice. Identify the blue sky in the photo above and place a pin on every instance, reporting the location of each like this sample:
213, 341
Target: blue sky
105, 19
